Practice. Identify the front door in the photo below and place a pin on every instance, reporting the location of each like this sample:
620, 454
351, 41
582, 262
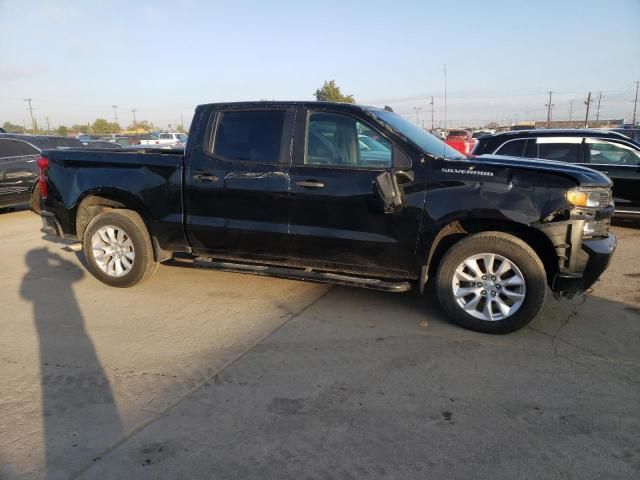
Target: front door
337, 219
237, 185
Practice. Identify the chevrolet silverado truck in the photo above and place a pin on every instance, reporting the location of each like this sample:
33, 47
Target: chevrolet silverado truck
338, 193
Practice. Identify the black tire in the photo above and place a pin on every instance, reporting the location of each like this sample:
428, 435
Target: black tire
144, 263
36, 201
510, 247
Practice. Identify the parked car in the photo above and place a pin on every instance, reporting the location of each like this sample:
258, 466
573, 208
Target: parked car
482, 133
609, 152
103, 145
285, 189
18, 168
629, 131
461, 140
166, 139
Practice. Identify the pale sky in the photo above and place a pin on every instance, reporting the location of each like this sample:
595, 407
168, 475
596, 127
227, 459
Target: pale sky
77, 59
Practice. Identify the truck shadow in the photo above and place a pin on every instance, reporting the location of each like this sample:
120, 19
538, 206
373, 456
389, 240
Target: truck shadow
77, 399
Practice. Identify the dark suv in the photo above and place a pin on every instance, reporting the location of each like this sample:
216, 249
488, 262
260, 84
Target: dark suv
612, 153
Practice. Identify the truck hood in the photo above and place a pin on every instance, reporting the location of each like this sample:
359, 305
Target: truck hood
582, 175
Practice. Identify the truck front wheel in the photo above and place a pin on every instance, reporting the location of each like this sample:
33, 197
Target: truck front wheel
118, 249
491, 282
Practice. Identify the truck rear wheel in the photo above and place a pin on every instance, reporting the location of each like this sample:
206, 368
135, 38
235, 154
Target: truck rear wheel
491, 282
118, 249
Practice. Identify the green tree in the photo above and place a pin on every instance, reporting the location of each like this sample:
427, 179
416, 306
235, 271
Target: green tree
141, 125
102, 127
80, 128
12, 128
62, 131
330, 92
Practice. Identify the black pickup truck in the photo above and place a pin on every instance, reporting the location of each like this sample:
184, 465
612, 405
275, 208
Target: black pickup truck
338, 193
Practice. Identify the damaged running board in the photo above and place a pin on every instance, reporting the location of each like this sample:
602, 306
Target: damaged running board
300, 274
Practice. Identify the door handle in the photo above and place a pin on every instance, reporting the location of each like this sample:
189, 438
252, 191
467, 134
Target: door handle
205, 177
310, 184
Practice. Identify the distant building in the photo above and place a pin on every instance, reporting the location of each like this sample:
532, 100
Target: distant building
580, 123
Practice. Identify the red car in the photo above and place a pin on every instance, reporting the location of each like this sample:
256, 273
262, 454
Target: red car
461, 140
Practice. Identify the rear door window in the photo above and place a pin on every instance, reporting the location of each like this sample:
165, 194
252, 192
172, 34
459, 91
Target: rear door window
250, 136
561, 149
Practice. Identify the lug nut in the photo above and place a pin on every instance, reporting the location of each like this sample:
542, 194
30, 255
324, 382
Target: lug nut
493, 279
493, 294
483, 292
498, 286
484, 277
478, 284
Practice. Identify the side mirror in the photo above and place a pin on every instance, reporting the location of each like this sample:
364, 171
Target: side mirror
388, 187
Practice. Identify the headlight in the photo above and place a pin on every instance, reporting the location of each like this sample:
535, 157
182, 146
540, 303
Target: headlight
595, 198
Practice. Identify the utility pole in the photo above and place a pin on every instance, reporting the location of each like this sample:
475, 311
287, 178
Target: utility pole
571, 109
635, 103
417, 109
115, 112
445, 97
48, 127
432, 106
181, 122
549, 107
598, 107
587, 102
134, 117
34, 125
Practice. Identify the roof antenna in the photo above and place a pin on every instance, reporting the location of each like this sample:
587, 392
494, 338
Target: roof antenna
388, 108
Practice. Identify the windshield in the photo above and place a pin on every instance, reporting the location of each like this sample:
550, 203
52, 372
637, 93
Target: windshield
420, 138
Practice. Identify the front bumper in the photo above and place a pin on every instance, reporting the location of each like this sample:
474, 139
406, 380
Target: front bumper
596, 256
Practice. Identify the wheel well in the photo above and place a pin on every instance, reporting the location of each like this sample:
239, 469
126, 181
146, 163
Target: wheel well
90, 207
457, 230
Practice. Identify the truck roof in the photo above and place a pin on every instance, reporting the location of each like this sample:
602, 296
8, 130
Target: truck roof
290, 103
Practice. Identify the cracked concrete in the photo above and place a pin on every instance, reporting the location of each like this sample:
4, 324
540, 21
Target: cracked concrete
241, 377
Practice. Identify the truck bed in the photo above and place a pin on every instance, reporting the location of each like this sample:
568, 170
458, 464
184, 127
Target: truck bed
151, 180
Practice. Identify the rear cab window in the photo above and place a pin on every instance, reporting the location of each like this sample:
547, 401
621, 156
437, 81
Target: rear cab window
253, 136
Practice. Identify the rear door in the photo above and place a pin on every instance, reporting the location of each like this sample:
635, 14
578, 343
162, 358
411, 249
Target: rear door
337, 218
237, 184
18, 171
621, 162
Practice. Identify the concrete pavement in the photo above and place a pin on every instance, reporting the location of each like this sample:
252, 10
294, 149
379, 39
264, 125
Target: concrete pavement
202, 374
